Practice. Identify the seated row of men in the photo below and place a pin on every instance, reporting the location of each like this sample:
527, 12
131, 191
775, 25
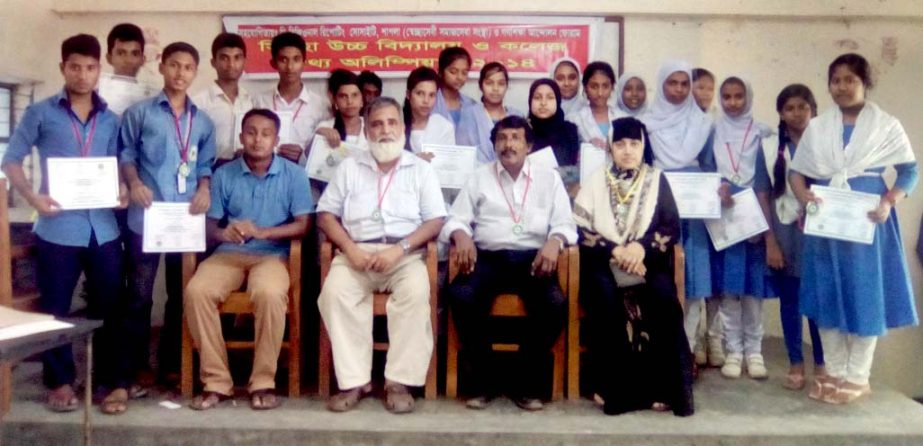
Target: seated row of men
382, 207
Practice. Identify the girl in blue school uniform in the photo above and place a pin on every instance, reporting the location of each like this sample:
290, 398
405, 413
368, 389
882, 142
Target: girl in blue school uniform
478, 120
796, 106
454, 64
855, 292
739, 271
679, 133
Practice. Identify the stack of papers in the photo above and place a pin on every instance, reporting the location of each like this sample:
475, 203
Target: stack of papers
16, 324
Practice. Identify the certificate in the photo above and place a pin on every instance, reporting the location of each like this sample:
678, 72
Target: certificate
323, 160
696, 193
739, 222
169, 227
286, 121
842, 215
592, 158
454, 165
544, 157
84, 183
121, 92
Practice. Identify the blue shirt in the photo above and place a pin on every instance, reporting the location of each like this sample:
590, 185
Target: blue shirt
268, 201
49, 126
148, 140
474, 129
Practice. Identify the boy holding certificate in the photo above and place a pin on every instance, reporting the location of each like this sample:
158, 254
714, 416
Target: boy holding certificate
166, 150
74, 124
254, 247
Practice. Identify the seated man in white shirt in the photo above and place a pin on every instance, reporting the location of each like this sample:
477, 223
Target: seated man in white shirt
509, 224
380, 208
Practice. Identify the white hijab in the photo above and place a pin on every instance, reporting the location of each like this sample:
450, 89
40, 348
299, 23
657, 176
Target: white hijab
878, 140
620, 87
737, 140
574, 103
678, 131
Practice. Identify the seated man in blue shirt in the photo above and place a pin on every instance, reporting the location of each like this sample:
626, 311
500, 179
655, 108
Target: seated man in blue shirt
74, 123
266, 201
166, 152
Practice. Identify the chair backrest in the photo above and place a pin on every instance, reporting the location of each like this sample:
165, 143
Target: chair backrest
6, 266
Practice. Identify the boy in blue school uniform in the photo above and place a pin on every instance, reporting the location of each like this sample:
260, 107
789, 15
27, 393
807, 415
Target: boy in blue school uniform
166, 150
74, 123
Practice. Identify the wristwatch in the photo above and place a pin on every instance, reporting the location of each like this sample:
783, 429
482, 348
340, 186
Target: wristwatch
405, 245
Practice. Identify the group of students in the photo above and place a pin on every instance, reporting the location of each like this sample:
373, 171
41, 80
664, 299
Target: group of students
508, 225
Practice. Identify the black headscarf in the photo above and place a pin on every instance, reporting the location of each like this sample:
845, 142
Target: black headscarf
630, 127
561, 135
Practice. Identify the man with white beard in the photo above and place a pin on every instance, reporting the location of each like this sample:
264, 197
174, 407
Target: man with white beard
380, 210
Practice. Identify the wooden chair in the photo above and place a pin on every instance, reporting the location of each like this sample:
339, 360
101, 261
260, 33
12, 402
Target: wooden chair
238, 303
575, 315
6, 289
510, 305
379, 308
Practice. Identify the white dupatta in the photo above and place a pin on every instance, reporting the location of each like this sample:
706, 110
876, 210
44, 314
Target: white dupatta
786, 206
878, 140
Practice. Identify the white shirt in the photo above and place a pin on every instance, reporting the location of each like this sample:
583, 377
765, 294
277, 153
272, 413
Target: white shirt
412, 198
358, 140
308, 109
225, 115
586, 123
439, 130
482, 210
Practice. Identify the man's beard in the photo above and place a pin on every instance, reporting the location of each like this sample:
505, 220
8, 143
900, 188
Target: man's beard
384, 152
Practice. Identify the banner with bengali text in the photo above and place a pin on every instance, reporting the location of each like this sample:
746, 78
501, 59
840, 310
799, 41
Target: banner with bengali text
393, 46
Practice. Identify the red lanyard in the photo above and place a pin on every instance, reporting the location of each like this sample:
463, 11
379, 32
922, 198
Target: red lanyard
183, 146
297, 110
743, 143
83, 144
381, 194
525, 194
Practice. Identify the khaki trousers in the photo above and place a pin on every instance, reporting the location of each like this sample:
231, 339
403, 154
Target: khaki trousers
267, 284
345, 305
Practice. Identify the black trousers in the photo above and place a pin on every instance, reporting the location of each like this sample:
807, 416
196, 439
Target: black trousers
59, 269
471, 297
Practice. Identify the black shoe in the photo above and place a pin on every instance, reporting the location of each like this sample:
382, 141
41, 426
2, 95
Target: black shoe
530, 404
479, 402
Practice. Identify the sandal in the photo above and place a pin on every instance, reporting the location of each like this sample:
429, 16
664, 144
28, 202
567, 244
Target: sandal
793, 381
822, 387
208, 400
398, 399
347, 399
137, 391
62, 399
660, 407
264, 399
848, 392
116, 403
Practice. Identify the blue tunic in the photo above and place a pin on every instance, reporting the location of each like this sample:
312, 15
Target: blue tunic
740, 269
856, 288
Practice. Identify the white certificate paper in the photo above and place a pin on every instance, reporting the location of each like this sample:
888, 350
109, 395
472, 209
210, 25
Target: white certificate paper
323, 160
544, 157
842, 215
592, 158
286, 120
739, 222
169, 227
84, 182
454, 165
696, 194
121, 92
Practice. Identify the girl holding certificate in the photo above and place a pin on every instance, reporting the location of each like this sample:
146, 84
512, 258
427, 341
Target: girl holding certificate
551, 130
347, 124
478, 120
593, 119
679, 133
421, 125
740, 270
853, 291
796, 107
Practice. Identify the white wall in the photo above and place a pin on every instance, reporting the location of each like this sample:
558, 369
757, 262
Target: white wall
771, 43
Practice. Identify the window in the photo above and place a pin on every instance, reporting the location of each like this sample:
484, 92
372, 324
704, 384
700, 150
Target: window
6, 117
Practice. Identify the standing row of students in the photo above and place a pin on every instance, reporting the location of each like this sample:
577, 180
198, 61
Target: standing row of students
167, 150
